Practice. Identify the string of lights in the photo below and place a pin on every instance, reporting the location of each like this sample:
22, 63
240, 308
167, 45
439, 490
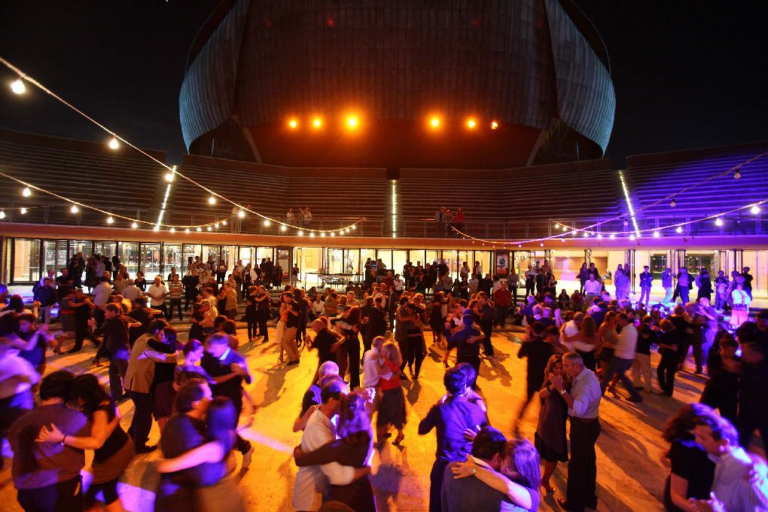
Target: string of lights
754, 208
19, 87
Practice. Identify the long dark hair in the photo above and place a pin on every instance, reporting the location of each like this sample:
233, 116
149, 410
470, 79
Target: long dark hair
354, 425
86, 388
679, 426
222, 422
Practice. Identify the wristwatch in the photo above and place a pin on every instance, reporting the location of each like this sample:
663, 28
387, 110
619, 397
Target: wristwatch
562, 391
474, 471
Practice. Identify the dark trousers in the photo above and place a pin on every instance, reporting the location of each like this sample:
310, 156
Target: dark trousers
117, 369
164, 308
353, 353
666, 375
698, 355
82, 332
582, 467
66, 496
501, 316
436, 485
262, 316
251, 327
175, 303
724, 399
589, 359
619, 366
190, 298
529, 289
487, 327
98, 314
414, 347
750, 419
142, 418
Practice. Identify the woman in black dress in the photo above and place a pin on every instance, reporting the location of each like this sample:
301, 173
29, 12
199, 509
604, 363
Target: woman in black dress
113, 448
353, 448
550, 439
692, 472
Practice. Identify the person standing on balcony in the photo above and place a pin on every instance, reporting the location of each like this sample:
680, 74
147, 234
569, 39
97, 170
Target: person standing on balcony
646, 282
290, 218
459, 220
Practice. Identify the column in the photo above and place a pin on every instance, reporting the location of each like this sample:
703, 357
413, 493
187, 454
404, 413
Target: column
629, 265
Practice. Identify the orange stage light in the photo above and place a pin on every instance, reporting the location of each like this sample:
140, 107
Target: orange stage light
293, 124
317, 122
352, 122
434, 122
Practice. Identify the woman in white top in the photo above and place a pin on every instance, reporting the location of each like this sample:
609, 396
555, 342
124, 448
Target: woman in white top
741, 301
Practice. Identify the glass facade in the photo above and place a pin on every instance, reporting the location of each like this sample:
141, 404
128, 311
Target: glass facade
26, 259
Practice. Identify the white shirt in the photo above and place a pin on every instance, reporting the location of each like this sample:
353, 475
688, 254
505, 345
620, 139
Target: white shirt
312, 481
101, 294
156, 290
586, 394
627, 343
732, 488
398, 284
131, 292
370, 373
592, 287
318, 307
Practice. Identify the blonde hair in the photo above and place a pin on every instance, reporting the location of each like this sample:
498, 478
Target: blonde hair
391, 352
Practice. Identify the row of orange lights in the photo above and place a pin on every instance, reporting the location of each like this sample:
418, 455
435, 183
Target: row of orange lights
353, 122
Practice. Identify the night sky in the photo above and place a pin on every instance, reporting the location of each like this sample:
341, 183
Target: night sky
687, 74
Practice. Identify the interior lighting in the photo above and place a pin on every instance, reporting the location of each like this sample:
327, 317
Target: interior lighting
565, 228
300, 233
156, 228
212, 200
599, 236
110, 220
169, 177
267, 223
471, 124
114, 144
322, 235
216, 225
18, 87
241, 214
494, 125
656, 234
26, 192
283, 228
557, 224
679, 229
209, 228
612, 237
23, 211
293, 124
224, 222
333, 234
317, 123
353, 122
540, 244
311, 235
632, 236
562, 240
755, 210
199, 229
586, 234
173, 230
186, 230
354, 226
2, 214
434, 122
74, 209
718, 221
134, 225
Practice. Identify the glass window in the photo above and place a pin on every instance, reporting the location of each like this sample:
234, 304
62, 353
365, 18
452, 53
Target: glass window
245, 254
229, 255
352, 261
484, 257
335, 261
129, 257
55, 255
83, 246
366, 254
262, 253
191, 251
26, 260
107, 249
417, 256
398, 261
461, 258
385, 255
283, 259
695, 262
150, 261
658, 264
431, 257
211, 253
172, 257
450, 258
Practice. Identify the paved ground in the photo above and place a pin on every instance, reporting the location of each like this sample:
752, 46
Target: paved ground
630, 472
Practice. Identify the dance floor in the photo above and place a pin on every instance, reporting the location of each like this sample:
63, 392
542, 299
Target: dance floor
630, 472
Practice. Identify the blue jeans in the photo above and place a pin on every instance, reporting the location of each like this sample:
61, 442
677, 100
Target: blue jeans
619, 367
668, 296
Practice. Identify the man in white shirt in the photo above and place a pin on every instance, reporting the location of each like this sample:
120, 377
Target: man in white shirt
583, 402
131, 291
157, 293
312, 481
101, 294
398, 284
623, 357
730, 489
371, 376
592, 290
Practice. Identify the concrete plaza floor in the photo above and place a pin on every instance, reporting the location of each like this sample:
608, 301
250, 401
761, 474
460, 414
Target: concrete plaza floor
629, 452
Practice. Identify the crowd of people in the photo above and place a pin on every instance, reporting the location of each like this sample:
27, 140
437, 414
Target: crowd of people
576, 347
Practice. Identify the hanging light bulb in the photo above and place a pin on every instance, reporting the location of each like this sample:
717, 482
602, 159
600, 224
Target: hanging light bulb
267, 223
679, 229
541, 244
212, 200
737, 174
322, 234
562, 240
23, 211
599, 236
333, 234
156, 228
18, 87
301, 233
519, 245
283, 228
656, 234
186, 230
626, 223
346, 230
672, 203
586, 234
216, 225
354, 226
311, 235
110, 220
565, 228
169, 177
2, 214
173, 230
74, 209
612, 237
114, 143
26, 192
632, 237
755, 210
557, 225
210, 228
718, 221
241, 214
199, 229
224, 222
134, 225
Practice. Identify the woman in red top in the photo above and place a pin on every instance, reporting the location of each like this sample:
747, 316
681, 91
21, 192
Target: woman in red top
392, 408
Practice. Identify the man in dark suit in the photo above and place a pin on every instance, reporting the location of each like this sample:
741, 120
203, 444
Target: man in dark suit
471, 494
228, 369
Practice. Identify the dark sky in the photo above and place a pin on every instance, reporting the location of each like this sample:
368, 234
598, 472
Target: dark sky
687, 74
